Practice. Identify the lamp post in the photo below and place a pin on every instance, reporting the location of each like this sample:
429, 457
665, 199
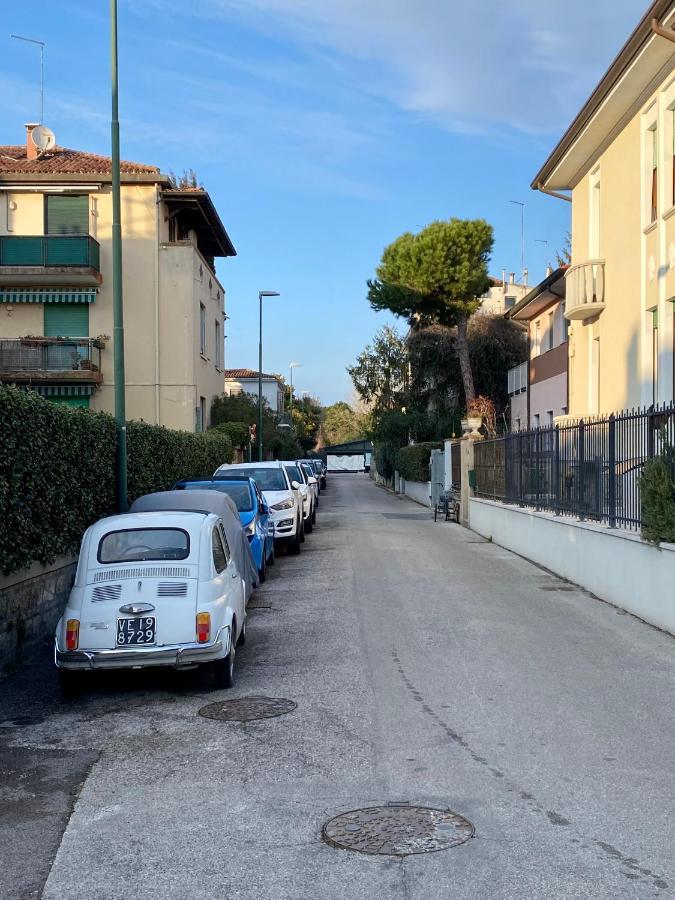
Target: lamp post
290, 402
261, 294
118, 314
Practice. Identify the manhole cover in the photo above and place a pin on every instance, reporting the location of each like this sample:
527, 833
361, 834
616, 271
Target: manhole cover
397, 830
258, 603
246, 709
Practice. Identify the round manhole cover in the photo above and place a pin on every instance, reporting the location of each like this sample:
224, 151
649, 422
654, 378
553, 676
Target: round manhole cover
397, 830
246, 709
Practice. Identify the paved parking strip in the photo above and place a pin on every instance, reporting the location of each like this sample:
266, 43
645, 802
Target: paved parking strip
428, 667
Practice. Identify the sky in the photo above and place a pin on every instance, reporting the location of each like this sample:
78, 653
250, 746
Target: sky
323, 130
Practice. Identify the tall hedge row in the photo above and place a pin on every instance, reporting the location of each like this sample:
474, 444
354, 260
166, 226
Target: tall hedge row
412, 462
57, 472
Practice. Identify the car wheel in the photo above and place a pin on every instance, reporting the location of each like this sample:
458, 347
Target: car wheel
302, 532
308, 524
273, 555
70, 683
262, 572
294, 547
314, 514
242, 635
223, 669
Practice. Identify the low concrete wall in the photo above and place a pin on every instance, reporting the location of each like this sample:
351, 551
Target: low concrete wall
31, 603
613, 564
419, 491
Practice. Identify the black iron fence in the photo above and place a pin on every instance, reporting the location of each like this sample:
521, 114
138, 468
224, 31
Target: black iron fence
589, 469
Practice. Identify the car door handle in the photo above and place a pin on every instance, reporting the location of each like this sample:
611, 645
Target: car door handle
234, 575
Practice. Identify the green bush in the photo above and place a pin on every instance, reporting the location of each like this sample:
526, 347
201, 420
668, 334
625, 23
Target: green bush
57, 472
237, 432
657, 496
412, 462
385, 458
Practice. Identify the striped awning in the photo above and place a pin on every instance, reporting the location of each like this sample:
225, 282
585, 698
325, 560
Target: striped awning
62, 390
47, 295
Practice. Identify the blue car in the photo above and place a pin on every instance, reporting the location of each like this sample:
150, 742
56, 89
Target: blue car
253, 513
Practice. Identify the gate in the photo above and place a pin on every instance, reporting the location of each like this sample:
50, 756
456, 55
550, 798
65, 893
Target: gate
437, 475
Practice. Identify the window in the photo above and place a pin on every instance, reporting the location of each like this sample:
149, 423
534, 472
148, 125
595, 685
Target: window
537, 339
268, 478
223, 538
654, 209
294, 474
218, 354
550, 331
219, 555
549, 417
565, 325
509, 302
139, 544
66, 214
535, 420
202, 329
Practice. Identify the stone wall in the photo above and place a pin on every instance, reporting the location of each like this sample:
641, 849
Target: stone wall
31, 603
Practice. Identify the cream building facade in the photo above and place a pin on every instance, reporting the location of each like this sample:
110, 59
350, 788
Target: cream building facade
56, 319
618, 160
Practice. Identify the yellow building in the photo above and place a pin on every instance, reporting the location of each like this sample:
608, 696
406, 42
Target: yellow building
618, 160
56, 318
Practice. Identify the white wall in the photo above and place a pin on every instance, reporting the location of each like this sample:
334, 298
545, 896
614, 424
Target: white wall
613, 564
419, 491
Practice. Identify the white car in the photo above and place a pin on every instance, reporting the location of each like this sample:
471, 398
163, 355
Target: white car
282, 498
310, 475
161, 588
296, 475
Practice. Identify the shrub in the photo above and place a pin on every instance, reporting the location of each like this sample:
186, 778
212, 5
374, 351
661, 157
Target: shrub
657, 496
385, 459
237, 432
57, 472
412, 462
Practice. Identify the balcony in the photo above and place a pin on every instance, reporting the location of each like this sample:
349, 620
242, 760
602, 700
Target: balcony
42, 360
49, 259
585, 290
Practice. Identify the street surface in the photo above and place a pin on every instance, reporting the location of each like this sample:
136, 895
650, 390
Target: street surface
427, 666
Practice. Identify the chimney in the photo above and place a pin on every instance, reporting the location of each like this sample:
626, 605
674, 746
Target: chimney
503, 279
31, 148
512, 277
549, 271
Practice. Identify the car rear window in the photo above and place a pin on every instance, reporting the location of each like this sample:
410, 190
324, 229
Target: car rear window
294, 474
240, 493
140, 544
268, 479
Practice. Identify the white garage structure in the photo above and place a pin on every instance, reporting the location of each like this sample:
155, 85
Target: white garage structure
352, 456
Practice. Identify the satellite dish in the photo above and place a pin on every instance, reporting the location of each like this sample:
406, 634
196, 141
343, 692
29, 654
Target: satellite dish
43, 138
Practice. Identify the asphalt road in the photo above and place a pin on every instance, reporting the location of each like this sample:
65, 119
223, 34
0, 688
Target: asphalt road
429, 667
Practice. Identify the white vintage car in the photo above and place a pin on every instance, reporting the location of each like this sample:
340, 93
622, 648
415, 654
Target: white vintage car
162, 587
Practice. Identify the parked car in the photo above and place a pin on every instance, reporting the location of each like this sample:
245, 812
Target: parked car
296, 475
282, 498
163, 585
320, 469
253, 512
310, 476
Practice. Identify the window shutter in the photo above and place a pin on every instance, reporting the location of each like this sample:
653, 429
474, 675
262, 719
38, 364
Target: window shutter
67, 214
66, 320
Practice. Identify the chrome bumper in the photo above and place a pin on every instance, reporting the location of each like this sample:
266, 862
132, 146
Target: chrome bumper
176, 655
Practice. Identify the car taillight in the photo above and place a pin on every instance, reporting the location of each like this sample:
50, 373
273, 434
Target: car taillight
72, 634
203, 627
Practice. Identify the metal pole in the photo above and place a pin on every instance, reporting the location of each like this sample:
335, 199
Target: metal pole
290, 400
118, 311
42, 84
260, 406
612, 471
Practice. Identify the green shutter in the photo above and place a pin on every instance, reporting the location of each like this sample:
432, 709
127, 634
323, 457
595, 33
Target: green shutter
66, 320
67, 214
74, 402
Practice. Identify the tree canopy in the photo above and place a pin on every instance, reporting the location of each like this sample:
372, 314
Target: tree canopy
341, 423
380, 372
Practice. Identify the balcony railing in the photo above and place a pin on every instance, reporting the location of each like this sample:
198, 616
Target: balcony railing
518, 378
585, 289
24, 360
50, 250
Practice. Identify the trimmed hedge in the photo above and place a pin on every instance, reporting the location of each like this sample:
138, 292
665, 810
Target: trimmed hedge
57, 472
237, 432
385, 459
412, 462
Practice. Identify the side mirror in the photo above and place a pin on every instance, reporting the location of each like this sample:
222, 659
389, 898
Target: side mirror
264, 509
295, 485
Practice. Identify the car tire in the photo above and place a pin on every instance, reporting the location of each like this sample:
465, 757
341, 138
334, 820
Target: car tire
294, 547
308, 524
242, 635
70, 683
223, 669
302, 531
273, 555
314, 514
262, 572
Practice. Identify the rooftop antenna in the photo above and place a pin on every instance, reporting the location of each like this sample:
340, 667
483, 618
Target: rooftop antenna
41, 45
522, 233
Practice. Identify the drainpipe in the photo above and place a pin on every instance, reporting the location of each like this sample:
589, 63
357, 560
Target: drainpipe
545, 190
662, 32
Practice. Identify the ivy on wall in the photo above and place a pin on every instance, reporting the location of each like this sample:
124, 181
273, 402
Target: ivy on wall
57, 472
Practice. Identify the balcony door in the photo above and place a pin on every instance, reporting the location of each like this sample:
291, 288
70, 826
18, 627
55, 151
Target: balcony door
66, 214
66, 320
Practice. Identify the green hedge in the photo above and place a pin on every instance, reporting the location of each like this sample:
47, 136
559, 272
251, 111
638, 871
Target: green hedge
385, 459
57, 472
237, 432
412, 462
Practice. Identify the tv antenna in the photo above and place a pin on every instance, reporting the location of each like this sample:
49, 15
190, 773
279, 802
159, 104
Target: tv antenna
43, 138
41, 45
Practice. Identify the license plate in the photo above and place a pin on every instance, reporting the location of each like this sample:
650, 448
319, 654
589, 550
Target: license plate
136, 631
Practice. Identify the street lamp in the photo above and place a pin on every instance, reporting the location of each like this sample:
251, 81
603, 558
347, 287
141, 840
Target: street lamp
261, 294
290, 402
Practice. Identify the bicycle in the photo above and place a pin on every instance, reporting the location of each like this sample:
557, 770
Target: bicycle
448, 506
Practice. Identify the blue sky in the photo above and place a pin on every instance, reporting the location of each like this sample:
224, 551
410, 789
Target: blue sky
323, 130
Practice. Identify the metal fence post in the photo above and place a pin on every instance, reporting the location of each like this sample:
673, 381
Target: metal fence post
556, 468
611, 492
581, 460
520, 468
538, 465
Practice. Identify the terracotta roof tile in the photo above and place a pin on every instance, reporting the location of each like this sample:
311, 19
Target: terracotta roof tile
245, 373
63, 161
